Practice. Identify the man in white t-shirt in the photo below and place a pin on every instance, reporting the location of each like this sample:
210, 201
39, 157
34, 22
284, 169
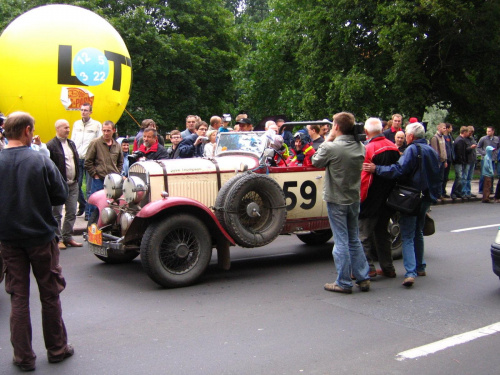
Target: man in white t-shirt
84, 131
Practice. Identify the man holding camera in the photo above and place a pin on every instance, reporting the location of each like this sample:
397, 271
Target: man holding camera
342, 155
150, 149
192, 146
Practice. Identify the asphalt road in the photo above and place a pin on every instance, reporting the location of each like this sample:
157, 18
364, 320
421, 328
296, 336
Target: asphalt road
270, 315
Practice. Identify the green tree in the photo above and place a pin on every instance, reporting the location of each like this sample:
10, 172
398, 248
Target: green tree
374, 58
183, 52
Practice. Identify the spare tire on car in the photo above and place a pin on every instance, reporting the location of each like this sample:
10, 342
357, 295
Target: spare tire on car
254, 210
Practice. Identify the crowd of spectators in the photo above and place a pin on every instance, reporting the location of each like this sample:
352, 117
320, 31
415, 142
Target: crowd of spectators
358, 179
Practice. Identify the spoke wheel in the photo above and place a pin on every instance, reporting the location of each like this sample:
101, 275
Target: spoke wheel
176, 250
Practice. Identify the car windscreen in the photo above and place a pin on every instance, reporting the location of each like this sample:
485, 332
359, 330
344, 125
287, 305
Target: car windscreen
254, 142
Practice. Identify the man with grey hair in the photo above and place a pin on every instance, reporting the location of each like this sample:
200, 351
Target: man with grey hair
64, 154
190, 126
268, 124
418, 167
374, 214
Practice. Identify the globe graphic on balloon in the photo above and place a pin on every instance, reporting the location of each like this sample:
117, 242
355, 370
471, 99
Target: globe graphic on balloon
56, 58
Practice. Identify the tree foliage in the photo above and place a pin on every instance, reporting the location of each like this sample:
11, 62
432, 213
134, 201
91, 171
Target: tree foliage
374, 58
183, 52
306, 59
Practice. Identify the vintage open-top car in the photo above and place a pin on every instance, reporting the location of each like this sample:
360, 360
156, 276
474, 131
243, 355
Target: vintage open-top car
174, 212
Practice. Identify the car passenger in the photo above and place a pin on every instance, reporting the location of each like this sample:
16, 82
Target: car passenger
302, 151
192, 146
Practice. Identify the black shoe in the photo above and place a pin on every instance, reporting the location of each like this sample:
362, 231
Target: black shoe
80, 211
446, 196
68, 353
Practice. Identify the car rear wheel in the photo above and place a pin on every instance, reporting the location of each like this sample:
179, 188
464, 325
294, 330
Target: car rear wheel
395, 231
176, 250
254, 211
317, 237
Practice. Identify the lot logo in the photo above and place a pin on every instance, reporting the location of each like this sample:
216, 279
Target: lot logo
58, 57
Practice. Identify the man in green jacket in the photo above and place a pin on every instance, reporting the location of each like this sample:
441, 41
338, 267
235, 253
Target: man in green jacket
343, 156
104, 156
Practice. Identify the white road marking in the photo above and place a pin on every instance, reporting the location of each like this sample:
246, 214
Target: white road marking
434, 347
474, 228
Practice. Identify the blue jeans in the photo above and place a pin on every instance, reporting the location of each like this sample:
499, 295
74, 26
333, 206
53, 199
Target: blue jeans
97, 184
81, 172
461, 172
412, 236
347, 252
468, 179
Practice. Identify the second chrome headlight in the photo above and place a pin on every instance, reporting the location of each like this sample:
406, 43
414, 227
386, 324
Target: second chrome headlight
134, 190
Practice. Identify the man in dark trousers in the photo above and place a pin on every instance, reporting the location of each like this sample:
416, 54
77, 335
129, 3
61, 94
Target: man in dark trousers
65, 156
31, 184
461, 163
374, 214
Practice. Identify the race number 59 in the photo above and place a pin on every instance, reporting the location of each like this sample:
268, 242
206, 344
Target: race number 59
307, 193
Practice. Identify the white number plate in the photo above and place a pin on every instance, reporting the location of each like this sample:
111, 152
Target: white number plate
98, 250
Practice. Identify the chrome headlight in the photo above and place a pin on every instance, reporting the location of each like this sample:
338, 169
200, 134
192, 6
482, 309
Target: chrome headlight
108, 216
125, 221
134, 189
113, 186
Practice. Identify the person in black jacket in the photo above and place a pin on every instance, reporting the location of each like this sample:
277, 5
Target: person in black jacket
65, 156
31, 184
374, 214
193, 145
461, 163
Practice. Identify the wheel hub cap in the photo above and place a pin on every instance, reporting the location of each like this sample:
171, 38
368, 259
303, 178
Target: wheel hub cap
253, 210
182, 250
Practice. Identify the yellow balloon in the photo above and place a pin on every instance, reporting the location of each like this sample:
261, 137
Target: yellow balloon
57, 57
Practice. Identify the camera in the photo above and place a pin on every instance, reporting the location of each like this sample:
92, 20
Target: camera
204, 139
135, 156
359, 132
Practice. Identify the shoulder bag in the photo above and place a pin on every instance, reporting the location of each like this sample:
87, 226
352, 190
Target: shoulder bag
406, 199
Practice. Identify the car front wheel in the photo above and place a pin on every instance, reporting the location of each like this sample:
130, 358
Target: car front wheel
176, 250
